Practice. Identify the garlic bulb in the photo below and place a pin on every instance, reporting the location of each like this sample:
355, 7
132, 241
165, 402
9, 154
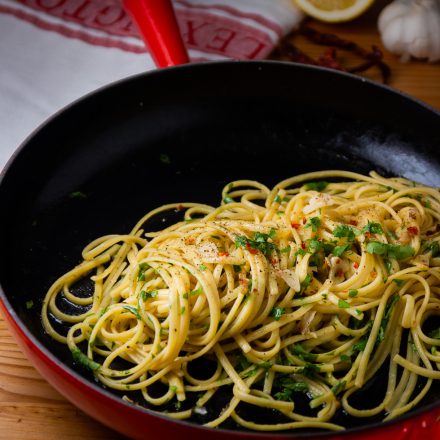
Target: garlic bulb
411, 28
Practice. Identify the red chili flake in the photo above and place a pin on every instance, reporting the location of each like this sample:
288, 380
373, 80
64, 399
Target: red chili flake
412, 230
295, 225
223, 254
303, 245
339, 273
368, 234
356, 265
180, 207
373, 274
353, 222
254, 290
304, 220
251, 249
190, 240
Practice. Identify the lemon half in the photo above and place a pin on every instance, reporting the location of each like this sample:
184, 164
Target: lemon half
334, 10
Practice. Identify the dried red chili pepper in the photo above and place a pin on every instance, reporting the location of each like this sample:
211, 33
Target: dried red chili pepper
412, 230
373, 58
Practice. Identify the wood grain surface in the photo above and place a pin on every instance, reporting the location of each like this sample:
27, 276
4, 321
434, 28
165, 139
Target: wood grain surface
31, 409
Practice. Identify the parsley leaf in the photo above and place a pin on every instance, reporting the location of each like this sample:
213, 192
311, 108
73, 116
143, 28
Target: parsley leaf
345, 231
259, 241
289, 386
336, 389
339, 250
146, 295
398, 281
80, 358
143, 267
237, 267
373, 228
133, 310
435, 334
396, 251
164, 158
316, 186
343, 304
310, 370
352, 293
29, 304
305, 283
314, 223
360, 345
277, 312
228, 199
298, 350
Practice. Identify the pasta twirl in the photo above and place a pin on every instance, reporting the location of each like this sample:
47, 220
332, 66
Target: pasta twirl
306, 289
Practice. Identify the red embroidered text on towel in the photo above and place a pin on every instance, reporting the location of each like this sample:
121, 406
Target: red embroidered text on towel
221, 29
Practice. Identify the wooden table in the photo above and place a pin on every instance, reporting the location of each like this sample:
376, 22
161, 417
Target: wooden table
31, 409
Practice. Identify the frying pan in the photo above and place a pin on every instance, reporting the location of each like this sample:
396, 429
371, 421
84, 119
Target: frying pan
181, 134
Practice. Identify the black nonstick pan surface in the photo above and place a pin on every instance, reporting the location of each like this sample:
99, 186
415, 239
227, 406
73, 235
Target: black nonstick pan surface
180, 135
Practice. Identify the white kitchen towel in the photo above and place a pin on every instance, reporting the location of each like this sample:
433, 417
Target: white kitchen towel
54, 51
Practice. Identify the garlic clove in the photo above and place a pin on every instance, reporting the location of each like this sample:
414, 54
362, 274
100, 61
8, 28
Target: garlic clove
412, 28
416, 35
391, 12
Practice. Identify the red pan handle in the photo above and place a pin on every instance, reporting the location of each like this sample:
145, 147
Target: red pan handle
158, 26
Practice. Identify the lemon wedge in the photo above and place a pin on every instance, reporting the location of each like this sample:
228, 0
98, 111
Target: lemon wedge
334, 11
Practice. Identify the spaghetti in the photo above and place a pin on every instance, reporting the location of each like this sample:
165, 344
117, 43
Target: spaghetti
306, 289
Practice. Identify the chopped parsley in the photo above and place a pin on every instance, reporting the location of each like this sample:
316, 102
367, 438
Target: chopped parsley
143, 267
29, 304
386, 316
372, 228
434, 248
360, 345
277, 312
237, 267
314, 245
314, 223
344, 358
310, 370
146, 295
277, 199
290, 386
77, 195
316, 186
298, 350
352, 293
202, 267
343, 304
336, 389
396, 251
345, 231
196, 291
80, 358
305, 283
182, 310
339, 250
164, 158
259, 241
173, 388
285, 250
435, 334
228, 199
398, 281
133, 310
